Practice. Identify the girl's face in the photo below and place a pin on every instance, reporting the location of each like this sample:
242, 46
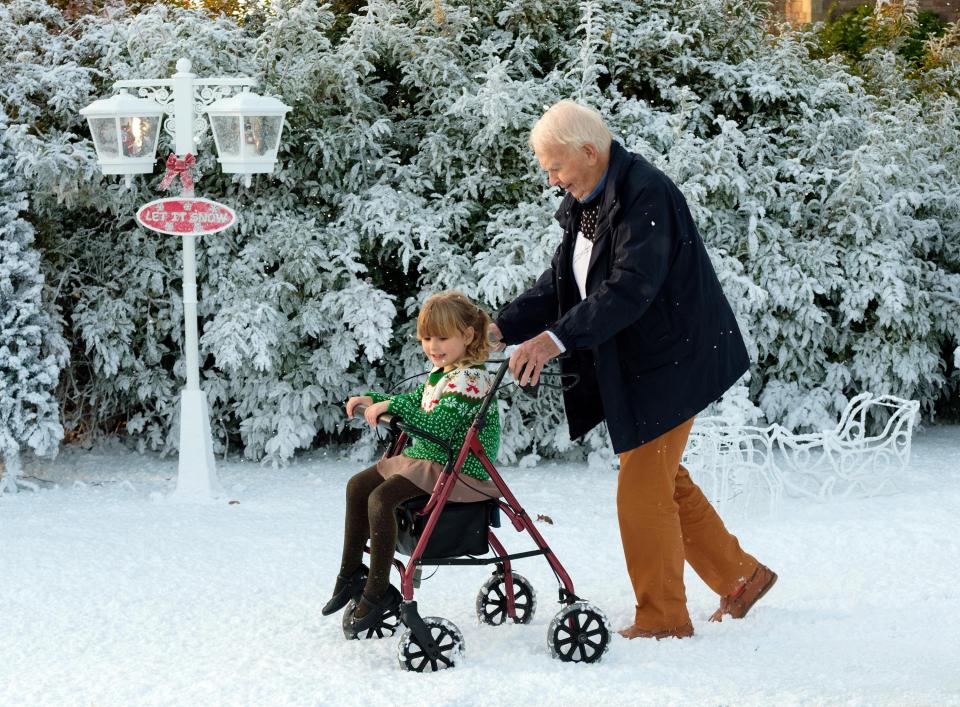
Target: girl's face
445, 351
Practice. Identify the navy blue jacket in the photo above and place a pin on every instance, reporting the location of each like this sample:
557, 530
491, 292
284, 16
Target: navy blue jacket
655, 341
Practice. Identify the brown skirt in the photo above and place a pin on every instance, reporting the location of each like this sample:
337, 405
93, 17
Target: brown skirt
424, 473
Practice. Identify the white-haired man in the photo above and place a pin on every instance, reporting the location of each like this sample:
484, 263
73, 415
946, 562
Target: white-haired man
633, 299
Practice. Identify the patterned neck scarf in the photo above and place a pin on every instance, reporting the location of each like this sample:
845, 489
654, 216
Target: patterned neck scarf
588, 220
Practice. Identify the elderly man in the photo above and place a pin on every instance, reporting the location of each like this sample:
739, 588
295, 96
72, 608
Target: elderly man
633, 299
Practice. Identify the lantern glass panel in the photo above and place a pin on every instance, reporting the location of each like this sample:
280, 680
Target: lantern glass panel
226, 129
138, 135
262, 133
104, 131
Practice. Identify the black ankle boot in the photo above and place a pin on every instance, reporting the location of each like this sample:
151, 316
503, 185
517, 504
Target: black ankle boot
375, 610
348, 587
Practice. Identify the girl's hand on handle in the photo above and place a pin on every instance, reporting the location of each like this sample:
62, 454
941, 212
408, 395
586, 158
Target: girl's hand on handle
356, 400
374, 411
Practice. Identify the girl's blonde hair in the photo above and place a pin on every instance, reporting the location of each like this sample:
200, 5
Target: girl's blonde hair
450, 313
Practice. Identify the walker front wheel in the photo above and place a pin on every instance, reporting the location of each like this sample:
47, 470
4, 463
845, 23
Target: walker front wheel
443, 650
579, 633
492, 599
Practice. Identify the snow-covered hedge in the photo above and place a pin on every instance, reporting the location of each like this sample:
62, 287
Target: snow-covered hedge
832, 211
31, 350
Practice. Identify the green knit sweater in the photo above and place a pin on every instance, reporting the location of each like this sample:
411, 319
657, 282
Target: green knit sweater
444, 406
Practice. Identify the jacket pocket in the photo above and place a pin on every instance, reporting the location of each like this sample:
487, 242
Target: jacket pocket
652, 330
652, 342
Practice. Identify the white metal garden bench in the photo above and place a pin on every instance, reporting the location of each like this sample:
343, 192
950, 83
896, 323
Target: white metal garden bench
750, 467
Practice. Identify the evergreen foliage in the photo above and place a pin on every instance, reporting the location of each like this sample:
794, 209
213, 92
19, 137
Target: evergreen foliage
829, 201
895, 35
31, 352
856, 32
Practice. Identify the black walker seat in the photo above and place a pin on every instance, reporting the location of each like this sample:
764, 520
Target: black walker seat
461, 530
435, 531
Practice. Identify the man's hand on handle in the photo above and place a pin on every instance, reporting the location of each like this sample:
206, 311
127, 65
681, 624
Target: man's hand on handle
529, 358
495, 338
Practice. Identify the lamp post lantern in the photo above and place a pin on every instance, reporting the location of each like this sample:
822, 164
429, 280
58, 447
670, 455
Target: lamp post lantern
246, 128
125, 132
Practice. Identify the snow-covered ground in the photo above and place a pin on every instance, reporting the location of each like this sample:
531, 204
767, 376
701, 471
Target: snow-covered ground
112, 594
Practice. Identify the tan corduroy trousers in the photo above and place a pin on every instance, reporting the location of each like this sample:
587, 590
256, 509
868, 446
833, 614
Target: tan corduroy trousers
664, 520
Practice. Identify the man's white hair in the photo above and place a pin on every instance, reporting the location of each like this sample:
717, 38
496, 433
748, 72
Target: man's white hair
572, 124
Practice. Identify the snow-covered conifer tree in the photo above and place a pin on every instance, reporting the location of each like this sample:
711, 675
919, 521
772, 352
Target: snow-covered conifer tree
31, 353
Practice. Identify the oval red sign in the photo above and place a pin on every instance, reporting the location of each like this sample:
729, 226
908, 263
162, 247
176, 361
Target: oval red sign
185, 216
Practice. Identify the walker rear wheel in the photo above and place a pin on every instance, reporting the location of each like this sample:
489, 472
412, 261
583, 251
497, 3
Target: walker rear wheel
387, 627
492, 600
445, 650
579, 633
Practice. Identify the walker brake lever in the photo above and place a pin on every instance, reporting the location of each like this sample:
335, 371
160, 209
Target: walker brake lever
531, 390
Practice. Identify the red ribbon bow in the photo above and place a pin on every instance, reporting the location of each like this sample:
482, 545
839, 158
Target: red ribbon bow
179, 168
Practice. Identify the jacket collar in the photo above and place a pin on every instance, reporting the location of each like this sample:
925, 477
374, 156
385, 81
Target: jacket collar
609, 206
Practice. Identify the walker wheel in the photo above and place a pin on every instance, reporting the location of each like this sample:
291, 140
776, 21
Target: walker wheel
492, 600
579, 633
447, 647
387, 627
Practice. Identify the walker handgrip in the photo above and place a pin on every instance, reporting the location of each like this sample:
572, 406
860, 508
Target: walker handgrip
387, 419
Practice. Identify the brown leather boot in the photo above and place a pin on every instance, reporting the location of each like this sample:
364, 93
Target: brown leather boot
635, 631
747, 594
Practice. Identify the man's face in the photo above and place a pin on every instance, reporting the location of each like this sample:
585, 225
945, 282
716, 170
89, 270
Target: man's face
575, 170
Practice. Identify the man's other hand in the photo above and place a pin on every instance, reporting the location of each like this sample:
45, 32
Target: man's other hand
495, 338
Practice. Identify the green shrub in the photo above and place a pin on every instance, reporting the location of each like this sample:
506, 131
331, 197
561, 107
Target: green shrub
856, 32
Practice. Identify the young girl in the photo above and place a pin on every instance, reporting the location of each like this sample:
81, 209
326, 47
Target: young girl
452, 331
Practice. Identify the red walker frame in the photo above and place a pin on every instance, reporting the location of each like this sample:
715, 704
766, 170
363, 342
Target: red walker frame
575, 628
441, 491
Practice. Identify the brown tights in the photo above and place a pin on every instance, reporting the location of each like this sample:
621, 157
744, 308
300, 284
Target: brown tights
371, 514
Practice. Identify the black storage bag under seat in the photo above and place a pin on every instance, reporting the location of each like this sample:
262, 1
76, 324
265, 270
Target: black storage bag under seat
460, 530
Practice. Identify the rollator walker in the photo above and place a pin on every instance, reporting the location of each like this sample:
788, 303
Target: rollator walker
435, 532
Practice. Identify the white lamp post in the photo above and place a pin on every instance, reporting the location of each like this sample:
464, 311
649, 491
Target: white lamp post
125, 131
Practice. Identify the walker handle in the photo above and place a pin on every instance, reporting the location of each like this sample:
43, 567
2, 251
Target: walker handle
393, 423
386, 419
